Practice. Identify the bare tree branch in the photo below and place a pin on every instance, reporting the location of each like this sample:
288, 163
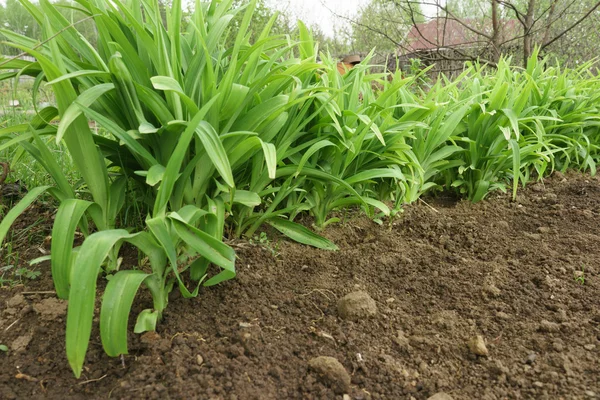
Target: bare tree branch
564, 32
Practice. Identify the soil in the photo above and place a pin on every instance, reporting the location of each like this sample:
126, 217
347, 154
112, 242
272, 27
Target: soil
495, 300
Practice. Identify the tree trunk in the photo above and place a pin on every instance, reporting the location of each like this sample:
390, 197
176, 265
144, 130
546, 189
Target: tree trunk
527, 34
549, 22
496, 32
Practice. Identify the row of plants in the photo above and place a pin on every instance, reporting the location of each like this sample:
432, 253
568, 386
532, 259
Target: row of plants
203, 140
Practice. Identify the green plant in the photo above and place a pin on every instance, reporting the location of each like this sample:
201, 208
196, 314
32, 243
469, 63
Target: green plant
580, 276
189, 127
5, 279
206, 131
27, 273
3, 348
263, 240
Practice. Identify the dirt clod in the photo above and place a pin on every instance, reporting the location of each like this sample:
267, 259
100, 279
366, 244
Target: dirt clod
547, 326
357, 305
402, 341
477, 346
332, 372
51, 308
440, 396
21, 343
502, 315
492, 290
16, 301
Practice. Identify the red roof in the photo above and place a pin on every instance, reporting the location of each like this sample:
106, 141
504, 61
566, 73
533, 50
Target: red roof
445, 32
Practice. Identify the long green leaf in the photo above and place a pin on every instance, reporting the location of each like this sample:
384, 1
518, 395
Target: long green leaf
116, 307
301, 234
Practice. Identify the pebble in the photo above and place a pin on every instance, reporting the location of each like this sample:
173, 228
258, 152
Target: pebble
589, 347
538, 384
589, 393
199, 359
357, 305
543, 229
531, 358
440, 396
477, 346
332, 372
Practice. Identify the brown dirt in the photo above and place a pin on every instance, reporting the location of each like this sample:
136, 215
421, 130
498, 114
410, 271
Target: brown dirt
441, 275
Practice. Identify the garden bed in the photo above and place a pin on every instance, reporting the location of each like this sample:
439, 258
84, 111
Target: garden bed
524, 275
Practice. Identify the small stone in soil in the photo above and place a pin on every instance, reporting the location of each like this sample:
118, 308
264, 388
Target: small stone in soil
332, 372
477, 346
538, 384
199, 359
357, 305
589, 347
589, 393
531, 358
440, 396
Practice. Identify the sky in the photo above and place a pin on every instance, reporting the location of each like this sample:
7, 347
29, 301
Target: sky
322, 12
